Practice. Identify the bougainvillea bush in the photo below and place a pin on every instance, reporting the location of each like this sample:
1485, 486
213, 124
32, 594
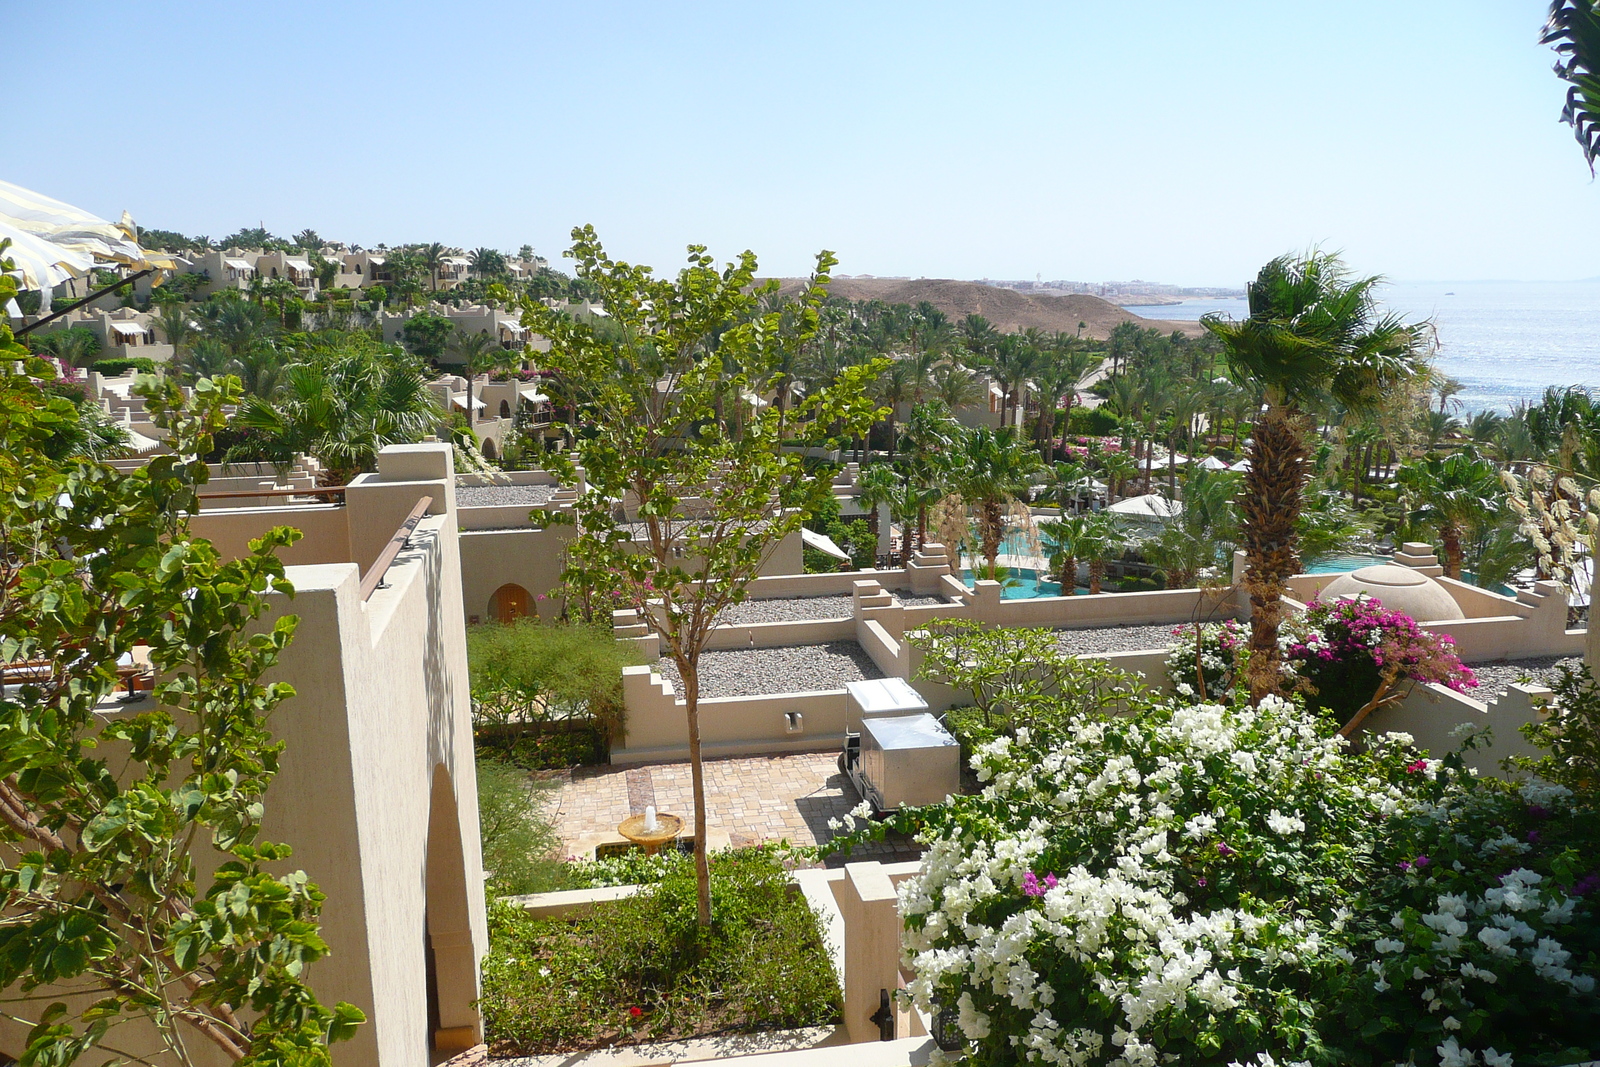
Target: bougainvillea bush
1209, 884
1348, 658
1355, 655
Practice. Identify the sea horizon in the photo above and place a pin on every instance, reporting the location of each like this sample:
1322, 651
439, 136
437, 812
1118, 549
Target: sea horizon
1505, 341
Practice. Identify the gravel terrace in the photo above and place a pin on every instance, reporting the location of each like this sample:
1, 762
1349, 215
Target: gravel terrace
744, 672
1116, 639
488, 496
796, 609
808, 608
1496, 678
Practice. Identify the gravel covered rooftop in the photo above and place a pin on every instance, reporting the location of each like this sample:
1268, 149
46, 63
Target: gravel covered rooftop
797, 609
487, 496
1495, 678
797, 669
1117, 638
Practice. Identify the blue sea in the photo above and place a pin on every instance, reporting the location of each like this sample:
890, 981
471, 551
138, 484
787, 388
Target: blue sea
1505, 341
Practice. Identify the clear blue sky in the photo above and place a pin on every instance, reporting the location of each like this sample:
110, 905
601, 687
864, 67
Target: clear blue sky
1180, 142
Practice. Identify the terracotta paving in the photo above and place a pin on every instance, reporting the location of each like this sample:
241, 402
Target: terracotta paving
749, 800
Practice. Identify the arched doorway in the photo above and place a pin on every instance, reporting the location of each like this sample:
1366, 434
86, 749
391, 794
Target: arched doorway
510, 602
489, 450
452, 965
505, 410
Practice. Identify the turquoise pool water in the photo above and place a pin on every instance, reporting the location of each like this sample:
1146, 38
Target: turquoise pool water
1349, 561
1028, 585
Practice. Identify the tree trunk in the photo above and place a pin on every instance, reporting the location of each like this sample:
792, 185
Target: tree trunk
690, 671
1271, 503
991, 524
1068, 578
1450, 534
1097, 570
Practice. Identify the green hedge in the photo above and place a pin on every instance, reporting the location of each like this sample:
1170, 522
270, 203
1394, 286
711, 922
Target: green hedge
1091, 422
114, 368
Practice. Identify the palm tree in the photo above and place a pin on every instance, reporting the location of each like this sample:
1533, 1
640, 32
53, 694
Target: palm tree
878, 484
486, 262
1099, 537
991, 469
477, 352
1063, 482
1062, 538
1118, 467
75, 346
343, 409
177, 328
1454, 493
1312, 332
955, 386
1574, 31
899, 383
1199, 537
432, 257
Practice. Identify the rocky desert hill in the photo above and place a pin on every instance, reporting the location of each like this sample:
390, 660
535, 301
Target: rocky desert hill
1008, 309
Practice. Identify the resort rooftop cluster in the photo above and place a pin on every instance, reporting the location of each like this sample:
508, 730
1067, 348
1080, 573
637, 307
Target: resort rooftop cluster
420, 654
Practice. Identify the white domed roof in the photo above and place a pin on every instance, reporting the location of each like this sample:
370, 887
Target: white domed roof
1399, 589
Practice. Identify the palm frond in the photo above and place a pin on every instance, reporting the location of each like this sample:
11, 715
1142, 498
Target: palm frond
1573, 29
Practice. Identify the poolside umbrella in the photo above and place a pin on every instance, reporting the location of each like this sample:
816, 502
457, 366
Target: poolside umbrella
1212, 463
70, 227
41, 264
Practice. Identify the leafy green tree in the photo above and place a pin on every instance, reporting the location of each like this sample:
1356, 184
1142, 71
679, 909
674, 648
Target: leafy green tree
710, 505
990, 469
134, 872
428, 335
250, 237
519, 846
1454, 493
1313, 332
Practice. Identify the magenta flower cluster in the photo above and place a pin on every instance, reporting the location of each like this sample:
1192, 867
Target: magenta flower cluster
1345, 629
1032, 887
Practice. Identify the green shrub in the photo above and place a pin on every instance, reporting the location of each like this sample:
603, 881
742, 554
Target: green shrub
519, 846
115, 368
640, 969
546, 695
1091, 422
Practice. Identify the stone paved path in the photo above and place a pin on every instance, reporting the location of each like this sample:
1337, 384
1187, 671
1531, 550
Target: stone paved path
749, 800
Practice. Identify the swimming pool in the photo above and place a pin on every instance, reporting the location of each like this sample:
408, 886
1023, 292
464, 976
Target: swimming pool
1346, 561
1028, 584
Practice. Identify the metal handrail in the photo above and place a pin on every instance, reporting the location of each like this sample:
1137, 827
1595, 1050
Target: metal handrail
372, 581
333, 490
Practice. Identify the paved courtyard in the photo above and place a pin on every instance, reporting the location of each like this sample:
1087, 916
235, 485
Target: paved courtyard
749, 800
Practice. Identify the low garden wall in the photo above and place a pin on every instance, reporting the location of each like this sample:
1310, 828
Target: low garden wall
658, 723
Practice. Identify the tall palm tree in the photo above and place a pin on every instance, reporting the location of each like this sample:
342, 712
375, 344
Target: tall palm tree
1062, 538
477, 353
177, 327
432, 256
1313, 332
878, 484
991, 469
900, 383
486, 262
1454, 493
